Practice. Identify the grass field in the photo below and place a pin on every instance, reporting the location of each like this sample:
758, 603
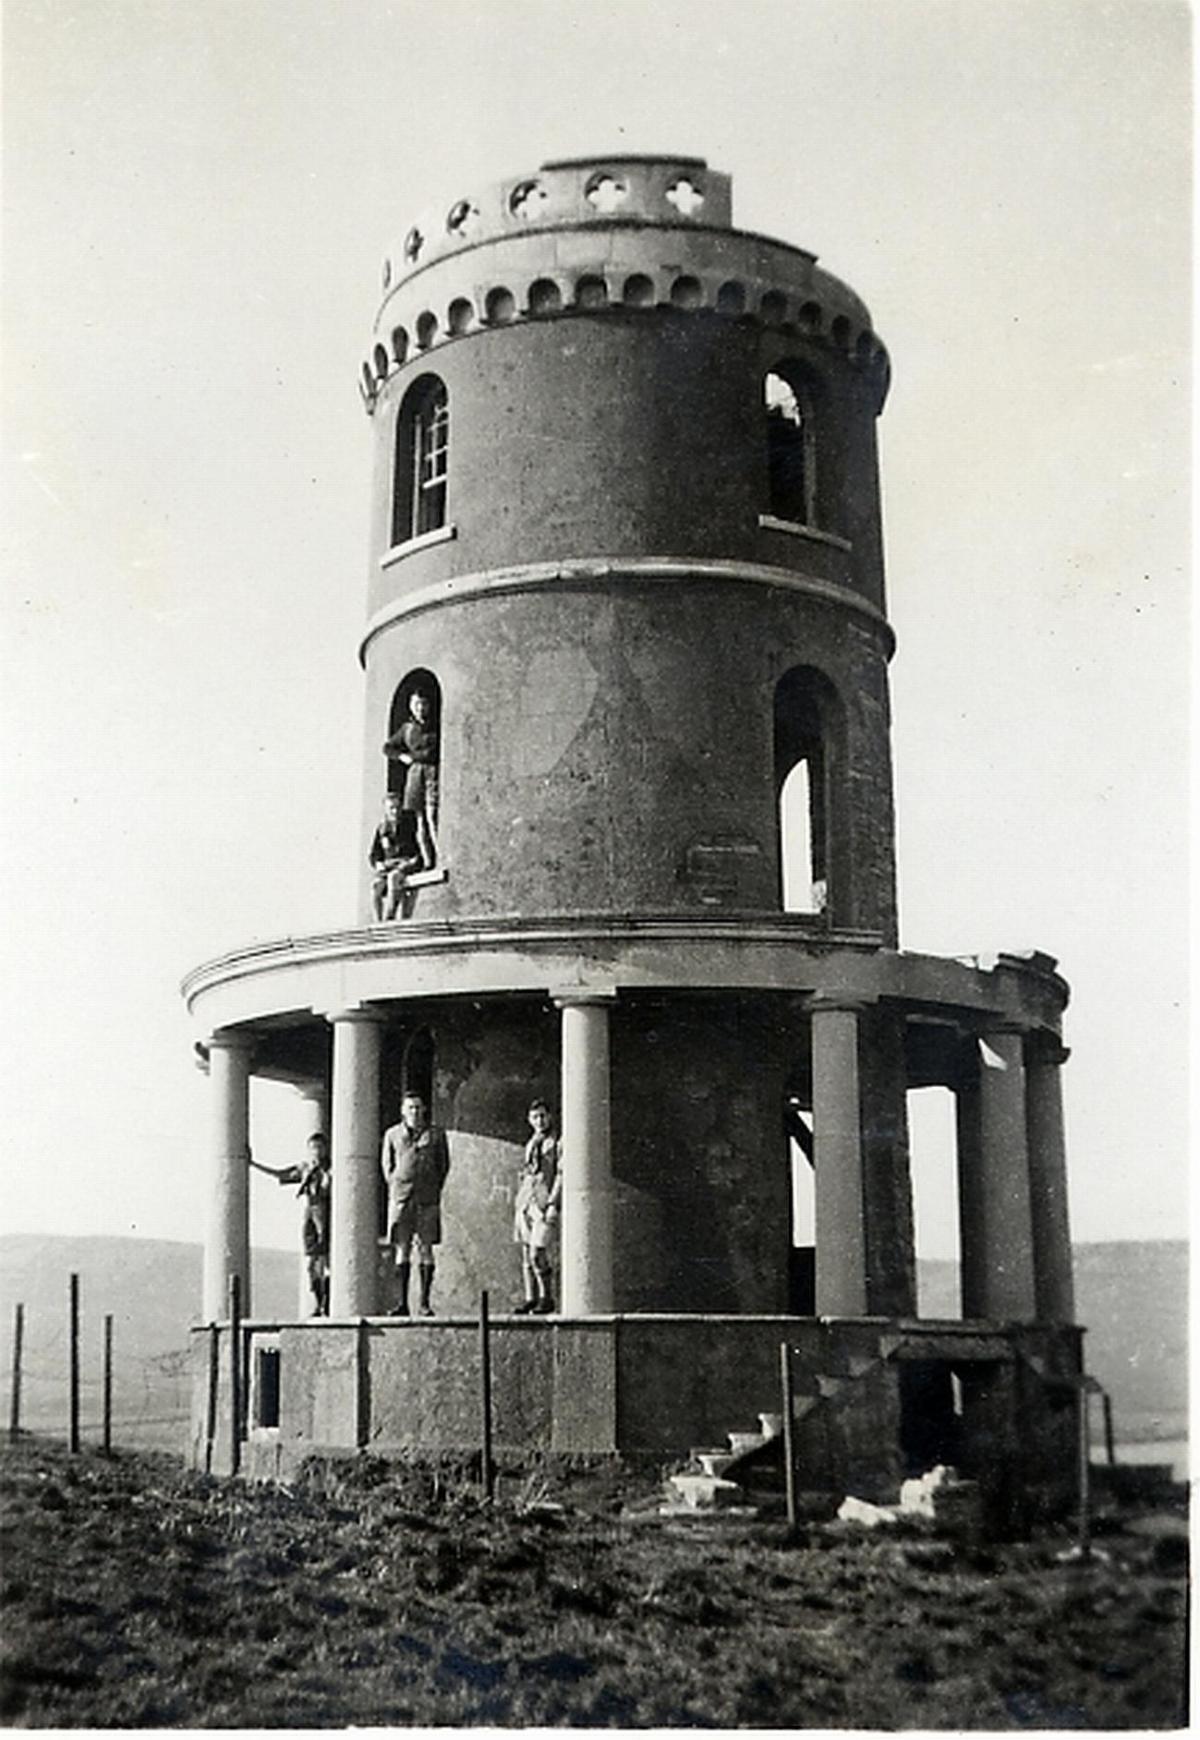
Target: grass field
135, 1594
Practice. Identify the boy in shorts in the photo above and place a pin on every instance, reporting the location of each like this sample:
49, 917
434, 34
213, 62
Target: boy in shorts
415, 1160
536, 1210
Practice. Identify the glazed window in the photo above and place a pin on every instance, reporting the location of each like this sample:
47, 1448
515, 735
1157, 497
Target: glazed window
422, 461
805, 710
791, 450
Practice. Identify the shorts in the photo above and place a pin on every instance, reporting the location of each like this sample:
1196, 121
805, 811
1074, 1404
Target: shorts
415, 1221
531, 1228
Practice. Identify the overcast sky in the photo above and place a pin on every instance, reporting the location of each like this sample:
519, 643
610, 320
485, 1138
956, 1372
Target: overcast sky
198, 201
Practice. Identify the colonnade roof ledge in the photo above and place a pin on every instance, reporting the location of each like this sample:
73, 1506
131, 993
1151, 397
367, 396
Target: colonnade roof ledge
304, 976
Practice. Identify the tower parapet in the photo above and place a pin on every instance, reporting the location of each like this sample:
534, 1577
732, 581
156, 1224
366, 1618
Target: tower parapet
621, 232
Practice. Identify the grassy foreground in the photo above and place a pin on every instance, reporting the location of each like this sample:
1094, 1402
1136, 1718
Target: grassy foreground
137, 1595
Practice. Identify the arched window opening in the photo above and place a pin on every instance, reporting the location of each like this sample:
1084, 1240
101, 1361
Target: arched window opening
791, 456
413, 752
805, 705
804, 886
422, 461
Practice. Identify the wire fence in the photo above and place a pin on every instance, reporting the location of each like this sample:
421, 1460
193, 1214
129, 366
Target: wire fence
61, 1384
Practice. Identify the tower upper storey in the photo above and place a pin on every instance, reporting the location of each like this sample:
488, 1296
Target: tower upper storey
626, 553
621, 336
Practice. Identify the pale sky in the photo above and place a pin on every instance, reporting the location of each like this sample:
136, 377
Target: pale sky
198, 199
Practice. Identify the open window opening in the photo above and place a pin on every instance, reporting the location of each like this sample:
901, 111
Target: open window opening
802, 1251
951, 1411
804, 709
931, 1415
412, 750
422, 460
265, 1387
791, 447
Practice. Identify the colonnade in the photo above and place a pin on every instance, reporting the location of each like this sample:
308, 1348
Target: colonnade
1014, 1229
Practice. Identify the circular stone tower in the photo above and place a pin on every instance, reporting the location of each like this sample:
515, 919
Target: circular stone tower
626, 542
626, 533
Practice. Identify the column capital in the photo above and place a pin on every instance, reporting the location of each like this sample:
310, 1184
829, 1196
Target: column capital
576, 996
1048, 1051
229, 1039
999, 1029
354, 1012
837, 1003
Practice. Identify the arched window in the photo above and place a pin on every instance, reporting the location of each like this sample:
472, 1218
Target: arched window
791, 449
413, 752
802, 875
805, 712
422, 460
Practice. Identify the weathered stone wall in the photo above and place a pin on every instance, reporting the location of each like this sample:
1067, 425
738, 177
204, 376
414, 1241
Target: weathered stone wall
700, 1162
664, 1384
606, 746
607, 740
701, 1203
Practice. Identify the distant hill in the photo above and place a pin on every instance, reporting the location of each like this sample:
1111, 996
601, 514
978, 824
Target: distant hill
1131, 1295
152, 1289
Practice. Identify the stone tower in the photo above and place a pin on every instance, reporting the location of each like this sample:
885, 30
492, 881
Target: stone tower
626, 543
643, 596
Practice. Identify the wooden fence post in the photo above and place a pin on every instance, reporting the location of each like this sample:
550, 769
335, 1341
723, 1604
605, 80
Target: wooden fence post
108, 1345
789, 1446
485, 1396
214, 1390
1085, 1471
73, 1314
14, 1416
235, 1374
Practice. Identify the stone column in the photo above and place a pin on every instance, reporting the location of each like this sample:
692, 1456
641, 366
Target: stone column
354, 1158
838, 1161
1005, 1278
972, 1241
315, 1123
1052, 1266
227, 1245
587, 1194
